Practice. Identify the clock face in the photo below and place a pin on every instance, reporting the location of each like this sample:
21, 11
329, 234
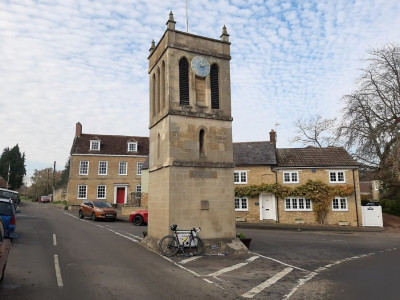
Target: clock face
200, 66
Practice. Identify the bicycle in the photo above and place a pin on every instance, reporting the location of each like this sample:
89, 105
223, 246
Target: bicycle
185, 241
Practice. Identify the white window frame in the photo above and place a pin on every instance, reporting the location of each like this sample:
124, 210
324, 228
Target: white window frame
240, 201
132, 147
337, 176
125, 168
81, 167
376, 185
106, 168
295, 203
139, 166
95, 145
82, 191
340, 206
138, 188
98, 191
240, 174
290, 173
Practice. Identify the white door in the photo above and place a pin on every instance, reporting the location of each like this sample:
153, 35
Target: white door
267, 207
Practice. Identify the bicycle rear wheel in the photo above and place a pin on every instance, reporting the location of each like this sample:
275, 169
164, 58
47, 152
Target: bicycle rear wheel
196, 246
168, 245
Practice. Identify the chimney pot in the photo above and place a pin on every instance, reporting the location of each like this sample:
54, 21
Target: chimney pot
78, 130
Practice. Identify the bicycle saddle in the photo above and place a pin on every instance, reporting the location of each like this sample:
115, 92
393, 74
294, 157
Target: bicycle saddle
173, 227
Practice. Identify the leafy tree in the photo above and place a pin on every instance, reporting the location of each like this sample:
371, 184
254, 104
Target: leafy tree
316, 131
64, 177
12, 166
371, 120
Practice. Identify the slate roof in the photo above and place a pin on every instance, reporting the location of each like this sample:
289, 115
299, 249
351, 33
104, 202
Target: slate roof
315, 157
110, 144
254, 153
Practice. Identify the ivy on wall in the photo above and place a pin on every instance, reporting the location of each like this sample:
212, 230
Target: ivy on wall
320, 193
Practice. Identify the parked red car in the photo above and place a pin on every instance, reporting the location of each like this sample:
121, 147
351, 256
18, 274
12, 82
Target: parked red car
139, 217
44, 199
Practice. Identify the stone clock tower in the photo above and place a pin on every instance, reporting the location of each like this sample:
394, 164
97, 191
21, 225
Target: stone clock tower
191, 153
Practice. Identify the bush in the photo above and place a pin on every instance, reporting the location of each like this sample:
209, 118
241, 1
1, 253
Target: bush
391, 207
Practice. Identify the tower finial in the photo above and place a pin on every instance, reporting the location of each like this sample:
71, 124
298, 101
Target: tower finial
171, 23
224, 36
153, 46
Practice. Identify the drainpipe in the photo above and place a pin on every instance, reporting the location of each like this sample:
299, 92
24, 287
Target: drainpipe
277, 198
355, 198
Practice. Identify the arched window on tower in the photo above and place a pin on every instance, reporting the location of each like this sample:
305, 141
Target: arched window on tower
162, 81
183, 82
153, 96
214, 83
201, 142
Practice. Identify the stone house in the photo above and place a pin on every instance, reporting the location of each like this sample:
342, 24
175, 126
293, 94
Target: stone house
262, 163
106, 167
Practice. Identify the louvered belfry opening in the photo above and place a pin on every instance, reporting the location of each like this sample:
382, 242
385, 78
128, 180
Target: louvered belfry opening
214, 86
183, 82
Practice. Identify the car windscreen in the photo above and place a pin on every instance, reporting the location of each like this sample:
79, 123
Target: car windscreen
102, 204
6, 209
8, 195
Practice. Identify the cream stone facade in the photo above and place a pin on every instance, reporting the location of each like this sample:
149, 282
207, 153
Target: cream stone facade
255, 164
191, 153
111, 173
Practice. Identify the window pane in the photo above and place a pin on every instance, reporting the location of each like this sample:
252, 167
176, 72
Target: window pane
332, 176
308, 204
340, 176
243, 176
343, 204
101, 192
122, 168
102, 167
237, 206
287, 203
139, 168
82, 191
301, 203
244, 203
335, 204
286, 177
294, 177
236, 177
294, 203
83, 167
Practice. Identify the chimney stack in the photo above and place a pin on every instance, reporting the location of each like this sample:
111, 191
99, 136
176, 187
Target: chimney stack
78, 130
272, 137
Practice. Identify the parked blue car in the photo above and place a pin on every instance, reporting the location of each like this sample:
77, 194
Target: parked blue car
7, 214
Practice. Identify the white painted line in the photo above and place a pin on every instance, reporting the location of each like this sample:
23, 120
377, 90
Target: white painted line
234, 267
58, 271
254, 291
54, 240
208, 281
301, 281
189, 259
282, 263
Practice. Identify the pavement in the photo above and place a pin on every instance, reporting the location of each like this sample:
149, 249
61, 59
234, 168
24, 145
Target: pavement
294, 227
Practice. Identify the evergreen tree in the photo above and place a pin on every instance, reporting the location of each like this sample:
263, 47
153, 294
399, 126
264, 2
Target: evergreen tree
12, 167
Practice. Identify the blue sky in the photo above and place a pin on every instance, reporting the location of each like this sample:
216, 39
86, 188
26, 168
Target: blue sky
69, 61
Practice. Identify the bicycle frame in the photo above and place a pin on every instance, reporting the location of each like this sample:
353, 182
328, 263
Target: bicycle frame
184, 236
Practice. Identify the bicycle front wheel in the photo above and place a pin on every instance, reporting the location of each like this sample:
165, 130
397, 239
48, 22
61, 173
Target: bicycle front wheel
168, 245
196, 246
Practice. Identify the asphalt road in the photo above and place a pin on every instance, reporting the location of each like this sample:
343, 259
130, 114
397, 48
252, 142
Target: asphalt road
104, 260
94, 262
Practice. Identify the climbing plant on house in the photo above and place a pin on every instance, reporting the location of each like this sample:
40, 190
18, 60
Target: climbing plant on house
320, 193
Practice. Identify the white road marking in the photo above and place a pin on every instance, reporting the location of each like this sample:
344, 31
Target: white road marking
54, 240
182, 262
58, 271
282, 263
301, 281
254, 291
234, 267
208, 281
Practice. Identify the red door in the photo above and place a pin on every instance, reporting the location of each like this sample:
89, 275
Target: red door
120, 195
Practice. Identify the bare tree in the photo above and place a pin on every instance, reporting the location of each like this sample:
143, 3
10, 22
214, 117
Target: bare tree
371, 121
316, 131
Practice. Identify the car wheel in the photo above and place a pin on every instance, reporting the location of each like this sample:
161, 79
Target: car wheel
81, 216
93, 217
138, 220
